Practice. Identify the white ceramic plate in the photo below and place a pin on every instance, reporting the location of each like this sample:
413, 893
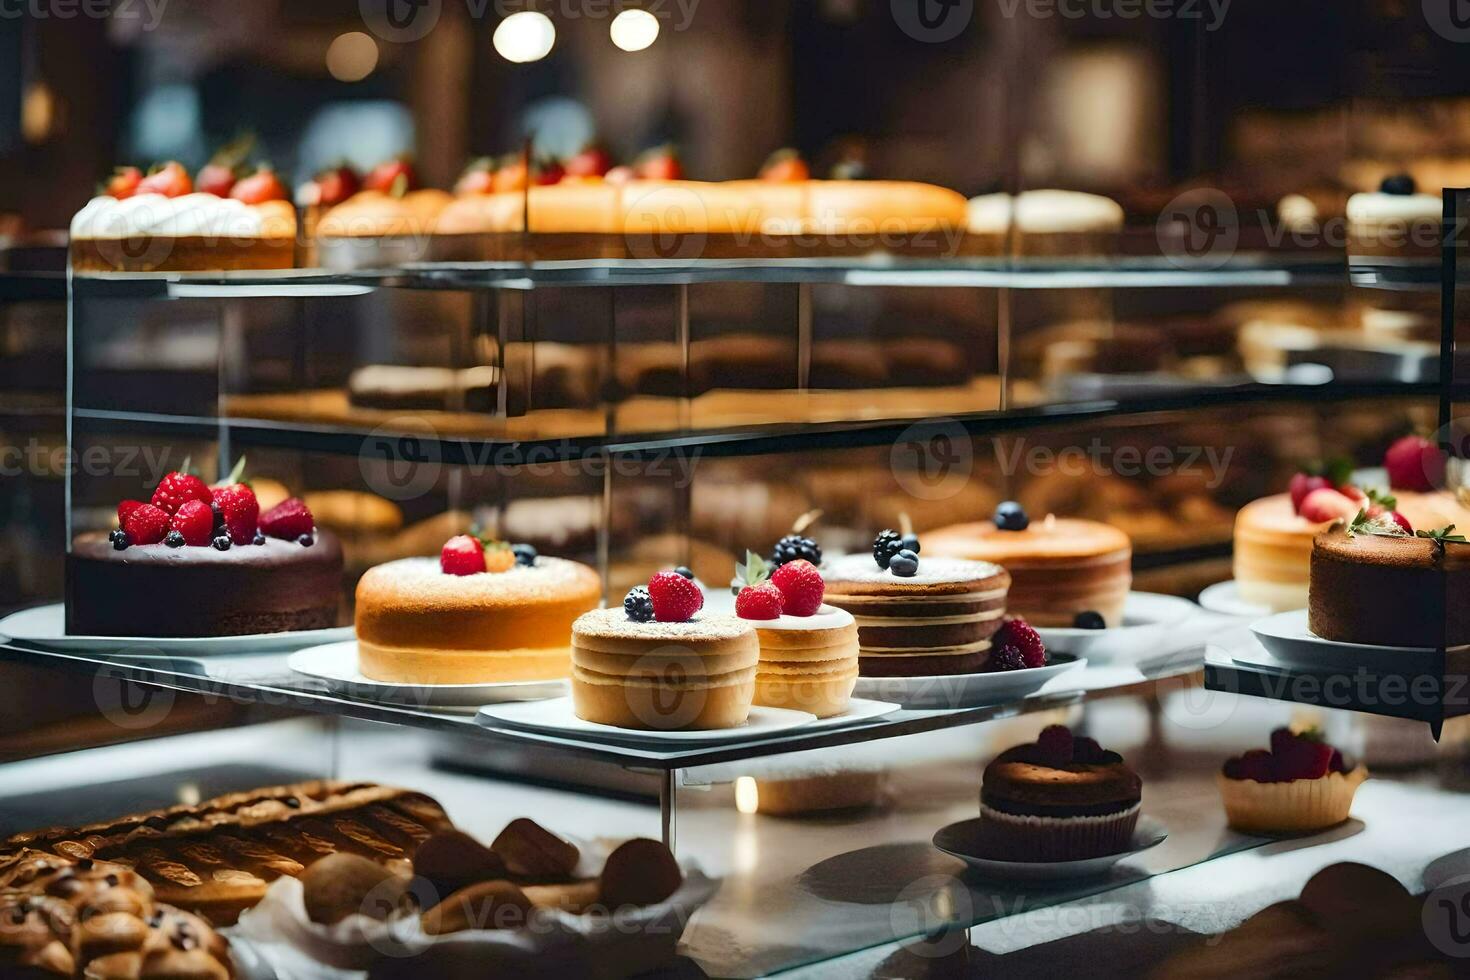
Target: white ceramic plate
336, 664
1287, 638
1224, 598
556, 717
964, 690
962, 840
45, 627
1147, 618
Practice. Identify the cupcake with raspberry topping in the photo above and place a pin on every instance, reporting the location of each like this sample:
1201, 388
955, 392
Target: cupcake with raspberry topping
1060, 798
1301, 785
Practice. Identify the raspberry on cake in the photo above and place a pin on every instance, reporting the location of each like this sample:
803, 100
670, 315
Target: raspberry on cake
633, 671
475, 615
195, 563
936, 619
1060, 567
1060, 798
1302, 784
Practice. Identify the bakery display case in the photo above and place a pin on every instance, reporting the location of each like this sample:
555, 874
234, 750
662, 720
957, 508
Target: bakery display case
1020, 526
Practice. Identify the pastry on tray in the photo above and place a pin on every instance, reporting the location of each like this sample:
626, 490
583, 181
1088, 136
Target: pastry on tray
1300, 785
483, 612
1064, 571
918, 616
197, 560
1060, 798
161, 222
657, 663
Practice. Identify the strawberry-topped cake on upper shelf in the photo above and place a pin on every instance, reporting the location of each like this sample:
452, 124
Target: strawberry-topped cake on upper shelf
197, 560
224, 218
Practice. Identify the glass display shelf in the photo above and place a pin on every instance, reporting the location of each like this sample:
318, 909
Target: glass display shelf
1241, 270
410, 433
267, 679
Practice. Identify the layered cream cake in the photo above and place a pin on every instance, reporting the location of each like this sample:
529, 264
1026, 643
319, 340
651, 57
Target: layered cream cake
192, 232
1060, 567
417, 624
937, 620
698, 673
809, 663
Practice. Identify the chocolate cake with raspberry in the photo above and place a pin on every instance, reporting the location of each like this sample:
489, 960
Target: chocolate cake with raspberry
201, 561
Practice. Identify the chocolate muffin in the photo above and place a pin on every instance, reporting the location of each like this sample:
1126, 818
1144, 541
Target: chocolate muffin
1060, 798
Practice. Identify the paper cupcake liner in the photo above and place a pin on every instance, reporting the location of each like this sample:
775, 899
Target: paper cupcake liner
1014, 837
1299, 806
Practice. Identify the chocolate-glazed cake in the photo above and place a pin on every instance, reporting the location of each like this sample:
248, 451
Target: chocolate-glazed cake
936, 621
155, 590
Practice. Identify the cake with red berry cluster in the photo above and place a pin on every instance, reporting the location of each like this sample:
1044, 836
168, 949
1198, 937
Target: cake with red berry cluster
1065, 571
1301, 784
198, 560
659, 664
918, 618
484, 612
1378, 581
808, 649
168, 221
1060, 798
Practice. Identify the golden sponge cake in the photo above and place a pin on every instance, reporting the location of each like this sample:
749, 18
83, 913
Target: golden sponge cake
809, 663
418, 625
664, 676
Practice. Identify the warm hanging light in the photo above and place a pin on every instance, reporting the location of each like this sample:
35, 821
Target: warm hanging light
351, 57
525, 36
634, 30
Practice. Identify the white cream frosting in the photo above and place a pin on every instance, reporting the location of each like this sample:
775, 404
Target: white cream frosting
154, 214
1061, 211
1376, 207
990, 213
825, 618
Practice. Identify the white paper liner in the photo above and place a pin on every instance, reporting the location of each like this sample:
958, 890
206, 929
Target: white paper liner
1297, 806
1017, 837
276, 938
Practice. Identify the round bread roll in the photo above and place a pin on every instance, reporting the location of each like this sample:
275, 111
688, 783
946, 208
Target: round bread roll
341, 884
639, 872
1356, 900
487, 905
530, 850
451, 860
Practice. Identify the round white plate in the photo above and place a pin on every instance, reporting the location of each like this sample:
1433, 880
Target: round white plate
964, 690
1287, 638
1224, 598
858, 709
556, 717
45, 627
1147, 617
336, 664
961, 839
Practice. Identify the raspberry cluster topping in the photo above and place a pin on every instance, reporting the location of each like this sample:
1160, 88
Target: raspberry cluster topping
1059, 746
471, 554
1292, 756
184, 511
793, 588
1016, 646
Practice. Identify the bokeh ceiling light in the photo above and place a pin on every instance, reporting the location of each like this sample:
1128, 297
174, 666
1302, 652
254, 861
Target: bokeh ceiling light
634, 30
351, 57
525, 36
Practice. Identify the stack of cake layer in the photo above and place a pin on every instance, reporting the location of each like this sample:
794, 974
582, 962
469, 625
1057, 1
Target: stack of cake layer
809, 663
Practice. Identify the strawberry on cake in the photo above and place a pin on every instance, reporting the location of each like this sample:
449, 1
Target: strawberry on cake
1301, 785
200, 560
484, 612
808, 649
163, 222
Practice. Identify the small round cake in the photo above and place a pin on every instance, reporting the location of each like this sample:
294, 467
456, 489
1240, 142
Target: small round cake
1395, 221
1273, 550
417, 624
1060, 567
935, 620
1060, 798
809, 663
1372, 585
156, 590
694, 674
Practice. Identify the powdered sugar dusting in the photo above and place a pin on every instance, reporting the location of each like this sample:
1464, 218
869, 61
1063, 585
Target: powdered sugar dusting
549, 580
863, 570
614, 623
